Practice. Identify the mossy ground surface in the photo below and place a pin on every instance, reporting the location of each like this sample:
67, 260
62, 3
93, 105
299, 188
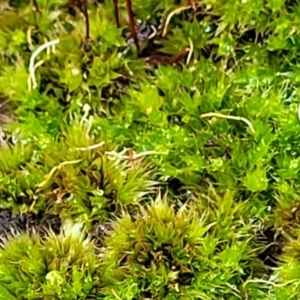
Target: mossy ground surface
121, 179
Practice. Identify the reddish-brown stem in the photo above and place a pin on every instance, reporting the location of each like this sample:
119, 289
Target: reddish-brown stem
132, 27
72, 3
117, 13
178, 56
131, 159
36, 5
158, 59
192, 3
87, 20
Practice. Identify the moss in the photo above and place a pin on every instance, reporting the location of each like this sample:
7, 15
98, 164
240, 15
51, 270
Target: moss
206, 114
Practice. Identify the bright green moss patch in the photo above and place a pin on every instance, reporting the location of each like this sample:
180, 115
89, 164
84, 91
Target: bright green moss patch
63, 266
174, 255
94, 133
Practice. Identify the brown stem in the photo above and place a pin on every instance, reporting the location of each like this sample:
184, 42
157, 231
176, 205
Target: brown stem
72, 3
158, 59
87, 20
193, 4
132, 27
116, 2
178, 56
36, 6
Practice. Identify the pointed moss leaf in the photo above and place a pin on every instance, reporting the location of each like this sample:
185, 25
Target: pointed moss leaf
256, 180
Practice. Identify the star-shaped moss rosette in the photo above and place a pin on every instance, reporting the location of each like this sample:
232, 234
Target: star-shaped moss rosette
168, 254
62, 266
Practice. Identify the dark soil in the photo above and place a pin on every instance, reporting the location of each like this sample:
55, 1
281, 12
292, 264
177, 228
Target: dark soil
273, 247
12, 224
99, 232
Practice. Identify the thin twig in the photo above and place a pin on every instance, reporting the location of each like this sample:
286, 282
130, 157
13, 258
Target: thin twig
158, 59
116, 295
48, 49
116, 10
229, 117
89, 127
269, 282
29, 40
151, 36
33, 57
54, 169
171, 14
120, 155
191, 50
36, 6
86, 109
192, 4
91, 147
131, 159
38, 64
179, 55
87, 19
132, 26
134, 155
